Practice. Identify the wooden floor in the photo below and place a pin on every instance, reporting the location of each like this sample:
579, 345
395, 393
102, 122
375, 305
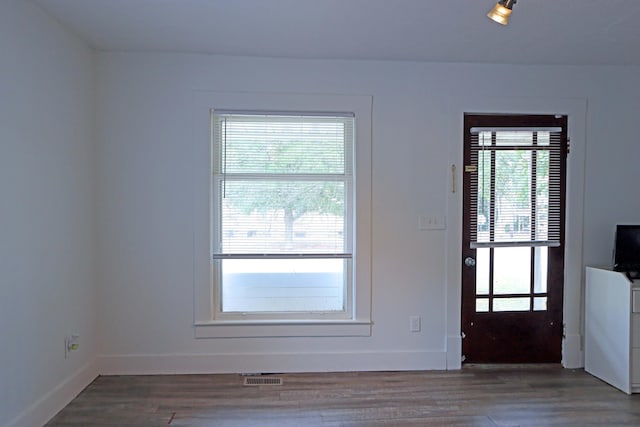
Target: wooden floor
473, 396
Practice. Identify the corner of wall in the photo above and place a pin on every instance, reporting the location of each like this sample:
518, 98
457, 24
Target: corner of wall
572, 353
47, 406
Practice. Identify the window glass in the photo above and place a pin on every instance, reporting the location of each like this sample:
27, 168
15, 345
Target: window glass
255, 285
282, 212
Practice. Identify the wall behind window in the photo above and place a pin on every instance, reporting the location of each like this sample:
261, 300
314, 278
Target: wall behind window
146, 198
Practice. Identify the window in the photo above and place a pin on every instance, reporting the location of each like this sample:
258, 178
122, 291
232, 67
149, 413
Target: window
516, 209
282, 214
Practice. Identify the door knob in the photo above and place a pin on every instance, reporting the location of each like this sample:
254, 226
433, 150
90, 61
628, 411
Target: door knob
469, 262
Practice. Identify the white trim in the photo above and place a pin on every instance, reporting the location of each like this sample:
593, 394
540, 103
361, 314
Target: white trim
454, 352
286, 113
45, 408
572, 352
165, 364
204, 102
336, 177
283, 256
281, 328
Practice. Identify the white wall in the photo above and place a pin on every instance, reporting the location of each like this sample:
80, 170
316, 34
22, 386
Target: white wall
140, 193
47, 287
612, 161
145, 217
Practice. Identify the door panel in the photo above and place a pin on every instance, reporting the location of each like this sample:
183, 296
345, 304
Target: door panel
512, 270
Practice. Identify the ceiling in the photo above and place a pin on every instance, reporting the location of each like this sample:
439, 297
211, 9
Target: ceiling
574, 32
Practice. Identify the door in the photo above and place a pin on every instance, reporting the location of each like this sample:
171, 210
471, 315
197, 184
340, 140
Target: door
513, 238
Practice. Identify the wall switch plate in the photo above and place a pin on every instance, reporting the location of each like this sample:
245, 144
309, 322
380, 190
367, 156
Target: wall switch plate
414, 324
431, 222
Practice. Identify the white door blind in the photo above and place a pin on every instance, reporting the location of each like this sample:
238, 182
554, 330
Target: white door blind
516, 184
282, 184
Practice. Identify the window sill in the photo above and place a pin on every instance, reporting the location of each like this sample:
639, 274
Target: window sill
280, 328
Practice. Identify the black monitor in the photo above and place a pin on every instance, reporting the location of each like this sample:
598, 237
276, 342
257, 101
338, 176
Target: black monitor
627, 249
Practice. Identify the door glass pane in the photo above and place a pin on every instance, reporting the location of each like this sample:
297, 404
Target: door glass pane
511, 304
540, 303
482, 305
511, 270
484, 195
540, 274
482, 271
513, 196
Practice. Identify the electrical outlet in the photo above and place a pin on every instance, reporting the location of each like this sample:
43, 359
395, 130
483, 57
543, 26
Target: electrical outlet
71, 343
414, 324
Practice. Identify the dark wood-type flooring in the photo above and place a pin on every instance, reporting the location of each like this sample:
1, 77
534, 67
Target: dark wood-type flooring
474, 396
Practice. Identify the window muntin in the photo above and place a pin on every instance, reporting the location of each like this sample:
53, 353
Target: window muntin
282, 214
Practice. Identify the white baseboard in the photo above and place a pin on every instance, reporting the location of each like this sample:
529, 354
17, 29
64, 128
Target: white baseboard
454, 352
54, 400
572, 353
149, 364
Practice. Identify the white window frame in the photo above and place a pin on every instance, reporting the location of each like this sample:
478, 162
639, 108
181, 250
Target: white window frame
346, 178
208, 323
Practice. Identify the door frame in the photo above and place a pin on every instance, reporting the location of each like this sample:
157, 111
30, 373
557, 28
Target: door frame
573, 306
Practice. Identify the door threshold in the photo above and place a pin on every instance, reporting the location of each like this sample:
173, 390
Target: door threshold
511, 366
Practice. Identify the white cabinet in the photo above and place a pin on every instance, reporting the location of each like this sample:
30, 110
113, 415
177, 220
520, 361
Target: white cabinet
612, 328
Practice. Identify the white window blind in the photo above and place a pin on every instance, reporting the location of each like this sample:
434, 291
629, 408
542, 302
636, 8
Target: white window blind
516, 187
283, 183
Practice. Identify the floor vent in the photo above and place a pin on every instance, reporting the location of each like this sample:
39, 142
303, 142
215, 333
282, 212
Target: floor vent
262, 381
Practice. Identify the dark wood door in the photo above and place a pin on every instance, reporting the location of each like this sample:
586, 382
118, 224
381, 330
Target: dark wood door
512, 266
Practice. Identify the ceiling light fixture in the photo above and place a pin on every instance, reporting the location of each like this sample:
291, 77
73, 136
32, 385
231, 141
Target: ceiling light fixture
501, 11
